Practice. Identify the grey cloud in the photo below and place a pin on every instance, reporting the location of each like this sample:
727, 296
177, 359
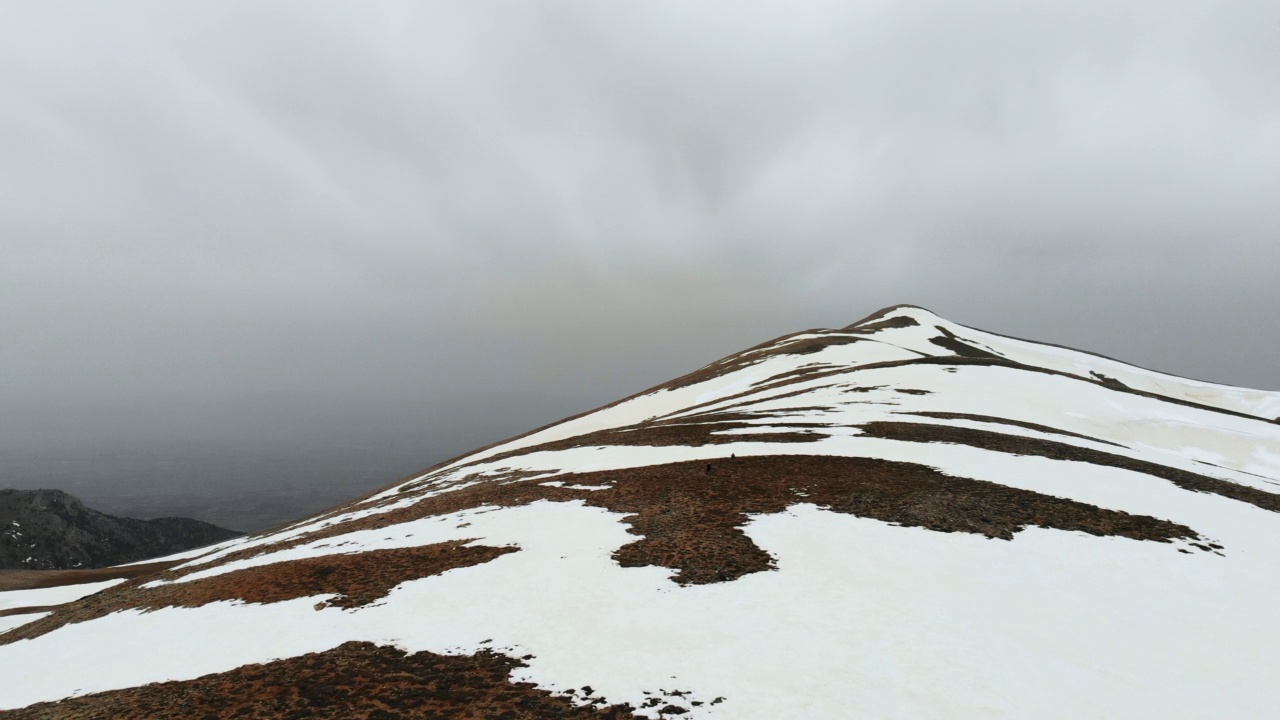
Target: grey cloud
380, 208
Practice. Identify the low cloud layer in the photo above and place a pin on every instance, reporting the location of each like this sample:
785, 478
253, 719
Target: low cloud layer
242, 217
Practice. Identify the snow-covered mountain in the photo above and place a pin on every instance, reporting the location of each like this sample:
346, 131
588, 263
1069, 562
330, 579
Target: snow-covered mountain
904, 518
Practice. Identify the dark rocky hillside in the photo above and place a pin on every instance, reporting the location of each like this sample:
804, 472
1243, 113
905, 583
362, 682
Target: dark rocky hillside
51, 530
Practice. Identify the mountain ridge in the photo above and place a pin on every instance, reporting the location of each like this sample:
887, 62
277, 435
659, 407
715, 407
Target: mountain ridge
888, 519
51, 529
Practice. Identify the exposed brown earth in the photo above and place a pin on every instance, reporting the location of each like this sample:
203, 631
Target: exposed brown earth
691, 431
691, 520
870, 322
901, 321
353, 680
809, 372
356, 579
704, 431
950, 342
729, 364
34, 579
1110, 382
875, 321
690, 513
27, 610
1006, 421
802, 374
1018, 445
995, 361
697, 431
784, 346
700, 433
809, 346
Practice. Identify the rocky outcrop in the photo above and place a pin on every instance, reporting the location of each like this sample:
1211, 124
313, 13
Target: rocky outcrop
52, 530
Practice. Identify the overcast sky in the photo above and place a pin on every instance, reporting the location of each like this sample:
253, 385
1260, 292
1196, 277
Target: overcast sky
239, 218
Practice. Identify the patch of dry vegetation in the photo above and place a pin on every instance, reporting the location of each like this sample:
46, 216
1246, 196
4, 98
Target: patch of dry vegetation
353, 680
356, 579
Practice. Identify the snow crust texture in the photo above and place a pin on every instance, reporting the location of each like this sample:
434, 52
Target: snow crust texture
904, 518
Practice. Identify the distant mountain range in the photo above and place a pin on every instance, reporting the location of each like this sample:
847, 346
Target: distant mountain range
903, 518
53, 530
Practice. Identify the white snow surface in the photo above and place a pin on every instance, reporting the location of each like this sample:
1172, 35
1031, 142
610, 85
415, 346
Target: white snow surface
861, 618
9, 622
43, 597
1253, 402
40, 597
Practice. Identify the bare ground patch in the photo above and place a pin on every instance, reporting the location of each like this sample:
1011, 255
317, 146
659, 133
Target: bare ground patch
808, 346
690, 514
688, 431
29, 610
35, 579
356, 579
353, 680
950, 342
1019, 445
877, 321
1006, 421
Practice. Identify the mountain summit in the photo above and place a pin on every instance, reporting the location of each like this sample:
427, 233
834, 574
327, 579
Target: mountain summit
905, 518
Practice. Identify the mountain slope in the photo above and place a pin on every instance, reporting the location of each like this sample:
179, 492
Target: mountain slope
902, 518
53, 530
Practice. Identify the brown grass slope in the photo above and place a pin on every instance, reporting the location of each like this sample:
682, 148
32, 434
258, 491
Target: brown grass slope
356, 680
